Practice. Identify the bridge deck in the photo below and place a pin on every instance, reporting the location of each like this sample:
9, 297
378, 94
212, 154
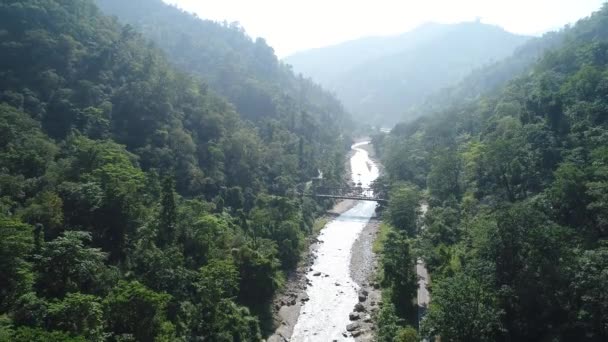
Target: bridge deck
350, 197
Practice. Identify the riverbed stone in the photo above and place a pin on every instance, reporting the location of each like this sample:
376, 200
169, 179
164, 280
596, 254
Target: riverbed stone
316, 274
353, 327
359, 307
354, 316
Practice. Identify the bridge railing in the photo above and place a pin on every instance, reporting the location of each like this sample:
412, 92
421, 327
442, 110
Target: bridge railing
315, 189
355, 190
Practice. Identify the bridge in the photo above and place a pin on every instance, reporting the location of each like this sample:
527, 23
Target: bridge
356, 193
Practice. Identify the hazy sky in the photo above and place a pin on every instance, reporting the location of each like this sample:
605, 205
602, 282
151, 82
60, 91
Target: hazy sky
293, 25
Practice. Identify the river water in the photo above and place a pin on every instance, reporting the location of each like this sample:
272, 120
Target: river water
333, 293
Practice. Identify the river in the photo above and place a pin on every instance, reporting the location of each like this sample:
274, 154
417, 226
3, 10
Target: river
333, 293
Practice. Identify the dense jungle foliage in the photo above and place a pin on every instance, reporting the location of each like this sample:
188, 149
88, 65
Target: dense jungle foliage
135, 203
516, 234
246, 72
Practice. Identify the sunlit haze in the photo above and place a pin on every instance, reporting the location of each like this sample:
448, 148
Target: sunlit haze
291, 26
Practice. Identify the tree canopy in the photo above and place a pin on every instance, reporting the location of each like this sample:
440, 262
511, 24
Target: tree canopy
515, 234
149, 196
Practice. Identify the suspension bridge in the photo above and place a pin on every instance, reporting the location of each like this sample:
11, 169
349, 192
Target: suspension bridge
356, 192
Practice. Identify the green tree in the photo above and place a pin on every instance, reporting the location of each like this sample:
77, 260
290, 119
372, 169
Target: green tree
444, 177
16, 242
260, 275
30, 310
532, 264
590, 275
506, 162
399, 273
46, 209
234, 198
78, 314
222, 318
403, 208
568, 195
279, 219
168, 214
132, 310
24, 148
218, 279
27, 334
67, 265
407, 334
387, 323
462, 309
597, 191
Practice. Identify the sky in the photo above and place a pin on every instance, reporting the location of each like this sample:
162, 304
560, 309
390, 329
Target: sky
295, 25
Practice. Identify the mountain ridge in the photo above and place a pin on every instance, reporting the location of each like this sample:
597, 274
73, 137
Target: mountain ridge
378, 89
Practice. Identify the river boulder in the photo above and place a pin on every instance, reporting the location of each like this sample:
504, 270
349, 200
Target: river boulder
362, 295
353, 326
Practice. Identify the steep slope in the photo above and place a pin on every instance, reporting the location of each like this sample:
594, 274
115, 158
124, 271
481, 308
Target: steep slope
135, 203
380, 90
244, 71
516, 235
491, 78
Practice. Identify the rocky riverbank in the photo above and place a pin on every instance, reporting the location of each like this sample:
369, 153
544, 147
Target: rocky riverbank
363, 270
288, 302
363, 264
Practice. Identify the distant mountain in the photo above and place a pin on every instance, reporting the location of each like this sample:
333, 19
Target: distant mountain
244, 71
490, 78
379, 79
326, 64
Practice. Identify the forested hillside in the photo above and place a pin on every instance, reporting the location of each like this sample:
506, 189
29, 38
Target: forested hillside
135, 203
490, 79
244, 71
380, 89
516, 235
